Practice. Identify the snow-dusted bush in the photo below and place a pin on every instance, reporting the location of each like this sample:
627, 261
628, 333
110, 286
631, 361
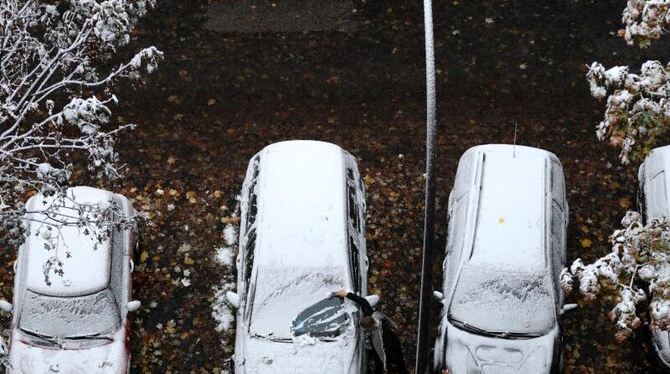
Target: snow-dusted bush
54, 97
645, 21
638, 267
638, 107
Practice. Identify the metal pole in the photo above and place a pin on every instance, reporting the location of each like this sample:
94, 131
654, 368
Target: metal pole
423, 343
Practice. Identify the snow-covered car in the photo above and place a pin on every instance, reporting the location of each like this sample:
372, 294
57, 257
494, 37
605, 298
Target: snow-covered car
501, 296
72, 288
302, 236
654, 202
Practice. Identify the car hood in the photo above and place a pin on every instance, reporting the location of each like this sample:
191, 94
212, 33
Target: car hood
471, 353
28, 359
304, 355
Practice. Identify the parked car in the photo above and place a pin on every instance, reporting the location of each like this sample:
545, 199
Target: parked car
653, 203
302, 236
501, 296
74, 321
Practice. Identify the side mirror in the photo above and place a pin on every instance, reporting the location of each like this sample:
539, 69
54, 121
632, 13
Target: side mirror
438, 296
5, 306
372, 299
567, 308
233, 299
133, 306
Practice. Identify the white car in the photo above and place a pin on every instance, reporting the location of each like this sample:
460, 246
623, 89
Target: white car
302, 237
653, 203
501, 295
75, 321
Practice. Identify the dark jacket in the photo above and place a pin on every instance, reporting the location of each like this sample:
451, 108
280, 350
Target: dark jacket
390, 357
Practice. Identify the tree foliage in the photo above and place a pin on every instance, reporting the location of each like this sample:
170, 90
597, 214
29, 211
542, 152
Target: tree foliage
637, 111
636, 269
638, 107
645, 21
55, 99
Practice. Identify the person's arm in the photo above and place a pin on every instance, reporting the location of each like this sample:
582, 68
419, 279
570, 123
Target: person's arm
360, 301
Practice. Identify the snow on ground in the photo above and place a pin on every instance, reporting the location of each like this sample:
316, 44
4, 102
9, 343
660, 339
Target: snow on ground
222, 312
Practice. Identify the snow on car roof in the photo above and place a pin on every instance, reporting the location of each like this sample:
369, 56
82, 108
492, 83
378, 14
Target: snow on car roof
88, 270
302, 216
510, 227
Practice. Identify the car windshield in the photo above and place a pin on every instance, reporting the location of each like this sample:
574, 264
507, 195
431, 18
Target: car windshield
281, 295
500, 301
70, 317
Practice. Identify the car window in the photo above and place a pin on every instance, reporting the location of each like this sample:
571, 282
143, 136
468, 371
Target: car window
557, 222
354, 256
657, 192
557, 184
455, 240
456, 229
118, 260
464, 174
642, 201
249, 247
69, 317
252, 208
353, 207
558, 262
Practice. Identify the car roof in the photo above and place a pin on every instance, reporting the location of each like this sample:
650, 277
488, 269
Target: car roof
302, 217
88, 269
510, 224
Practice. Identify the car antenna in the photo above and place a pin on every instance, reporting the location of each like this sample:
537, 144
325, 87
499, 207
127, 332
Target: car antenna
514, 147
422, 348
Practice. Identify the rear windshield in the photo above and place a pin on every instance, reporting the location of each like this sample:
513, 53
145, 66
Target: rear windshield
499, 301
69, 317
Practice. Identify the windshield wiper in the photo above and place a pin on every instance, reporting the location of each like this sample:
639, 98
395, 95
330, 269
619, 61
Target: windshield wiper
494, 334
470, 328
97, 336
518, 335
56, 341
272, 338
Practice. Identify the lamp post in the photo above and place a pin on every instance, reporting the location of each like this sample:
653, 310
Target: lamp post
423, 350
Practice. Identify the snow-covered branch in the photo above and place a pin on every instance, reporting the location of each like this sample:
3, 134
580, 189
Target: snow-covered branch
638, 107
640, 255
55, 101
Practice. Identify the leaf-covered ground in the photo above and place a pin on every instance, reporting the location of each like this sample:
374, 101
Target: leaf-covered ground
220, 97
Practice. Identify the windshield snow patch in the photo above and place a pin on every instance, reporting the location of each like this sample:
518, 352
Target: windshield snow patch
503, 301
67, 317
327, 318
282, 294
